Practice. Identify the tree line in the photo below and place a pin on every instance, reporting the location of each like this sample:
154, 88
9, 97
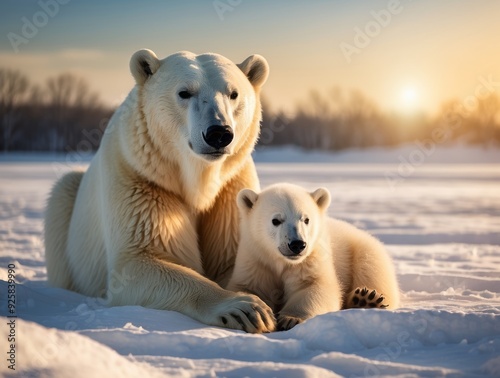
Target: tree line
56, 116
340, 120
65, 115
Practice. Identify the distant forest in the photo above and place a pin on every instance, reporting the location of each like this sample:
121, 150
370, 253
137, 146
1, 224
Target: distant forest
65, 115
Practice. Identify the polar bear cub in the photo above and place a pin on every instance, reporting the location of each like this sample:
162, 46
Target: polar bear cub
303, 263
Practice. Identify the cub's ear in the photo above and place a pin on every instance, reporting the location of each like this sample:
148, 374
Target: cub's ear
246, 199
322, 197
256, 69
143, 64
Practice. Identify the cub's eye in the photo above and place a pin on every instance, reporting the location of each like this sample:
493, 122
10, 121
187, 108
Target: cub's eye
306, 221
234, 95
276, 222
185, 95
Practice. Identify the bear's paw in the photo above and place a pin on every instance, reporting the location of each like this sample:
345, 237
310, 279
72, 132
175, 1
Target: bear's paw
366, 298
286, 322
244, 312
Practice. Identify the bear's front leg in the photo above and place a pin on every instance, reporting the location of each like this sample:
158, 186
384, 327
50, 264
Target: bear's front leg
153, 282
154, 262
302, 305
307, 298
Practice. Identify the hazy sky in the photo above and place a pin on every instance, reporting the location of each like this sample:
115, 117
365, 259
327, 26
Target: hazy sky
413, 54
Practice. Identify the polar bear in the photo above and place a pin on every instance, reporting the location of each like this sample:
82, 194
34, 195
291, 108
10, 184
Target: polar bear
153, 221
303, 263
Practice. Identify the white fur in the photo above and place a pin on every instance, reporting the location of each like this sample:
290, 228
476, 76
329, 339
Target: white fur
338, 257
154, 221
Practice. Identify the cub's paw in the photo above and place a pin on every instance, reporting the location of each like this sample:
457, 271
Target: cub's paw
286, 322
366, 298
245, 312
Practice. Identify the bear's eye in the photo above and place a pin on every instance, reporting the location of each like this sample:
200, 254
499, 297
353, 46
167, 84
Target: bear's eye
306, 221
276, 222
185, 95
234, 95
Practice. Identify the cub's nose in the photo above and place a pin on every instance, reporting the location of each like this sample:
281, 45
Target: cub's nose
297, 246
218, 136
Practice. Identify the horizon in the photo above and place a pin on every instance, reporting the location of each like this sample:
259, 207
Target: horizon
406, 56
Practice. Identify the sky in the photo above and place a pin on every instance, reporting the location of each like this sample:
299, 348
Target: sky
407, 55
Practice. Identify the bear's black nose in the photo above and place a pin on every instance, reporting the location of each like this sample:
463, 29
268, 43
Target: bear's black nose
297, 246
218, 136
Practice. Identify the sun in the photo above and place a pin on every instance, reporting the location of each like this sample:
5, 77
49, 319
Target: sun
409, 95
409, 98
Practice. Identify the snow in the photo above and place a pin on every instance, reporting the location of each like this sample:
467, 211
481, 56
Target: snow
440, 222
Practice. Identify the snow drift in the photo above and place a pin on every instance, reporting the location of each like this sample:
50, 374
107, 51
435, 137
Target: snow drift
440, 223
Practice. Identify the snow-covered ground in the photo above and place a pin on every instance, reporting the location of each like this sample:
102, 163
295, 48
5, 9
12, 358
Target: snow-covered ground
440, 222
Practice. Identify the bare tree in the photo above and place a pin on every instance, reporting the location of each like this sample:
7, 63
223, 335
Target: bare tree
69, 99
68, 90
13, 88
484, 120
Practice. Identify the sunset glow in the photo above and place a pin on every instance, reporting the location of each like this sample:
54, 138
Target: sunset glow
365, 46
409, 99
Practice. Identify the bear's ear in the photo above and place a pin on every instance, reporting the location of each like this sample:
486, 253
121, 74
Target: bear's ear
256, 69
246, 199
322, 197
143, 64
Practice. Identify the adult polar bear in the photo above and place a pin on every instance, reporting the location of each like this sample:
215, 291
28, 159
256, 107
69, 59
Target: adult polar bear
155, 214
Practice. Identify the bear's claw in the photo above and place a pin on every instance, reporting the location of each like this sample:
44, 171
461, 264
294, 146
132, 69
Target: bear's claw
286, 322
245, 312
364, 298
